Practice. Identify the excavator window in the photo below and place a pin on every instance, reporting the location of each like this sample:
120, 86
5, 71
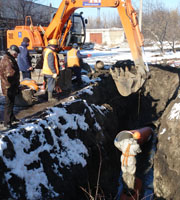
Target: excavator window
77, 31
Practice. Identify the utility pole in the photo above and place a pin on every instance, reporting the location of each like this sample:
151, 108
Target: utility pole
140, 14
98, 17
98, 13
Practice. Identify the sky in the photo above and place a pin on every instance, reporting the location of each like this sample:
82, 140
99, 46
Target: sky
110, 11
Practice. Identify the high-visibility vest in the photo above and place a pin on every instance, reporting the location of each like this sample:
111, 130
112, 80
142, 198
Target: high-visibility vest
72, 59
46, 69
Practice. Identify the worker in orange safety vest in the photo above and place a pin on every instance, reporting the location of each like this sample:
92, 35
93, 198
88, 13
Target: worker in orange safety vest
73, 62
50, 67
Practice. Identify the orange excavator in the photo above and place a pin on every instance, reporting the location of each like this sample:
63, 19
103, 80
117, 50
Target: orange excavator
66, 28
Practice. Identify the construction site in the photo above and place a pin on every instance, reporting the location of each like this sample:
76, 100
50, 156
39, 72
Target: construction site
113, 137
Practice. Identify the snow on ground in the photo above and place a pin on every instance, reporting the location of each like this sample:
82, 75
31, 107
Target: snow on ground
110, 55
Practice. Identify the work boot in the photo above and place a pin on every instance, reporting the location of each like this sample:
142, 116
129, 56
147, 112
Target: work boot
15, 120
50, 97
8, 126
79, 82
45, 97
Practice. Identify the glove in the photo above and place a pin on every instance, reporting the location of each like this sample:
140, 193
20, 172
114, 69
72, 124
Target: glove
54, 75
89, 55
63, 67
30, 69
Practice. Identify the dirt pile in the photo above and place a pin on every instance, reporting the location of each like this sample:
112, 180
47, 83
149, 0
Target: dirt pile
159, 90
57, 152
167, 159
158, 102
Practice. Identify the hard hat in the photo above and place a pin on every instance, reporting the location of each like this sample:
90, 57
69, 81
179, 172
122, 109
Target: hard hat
53, 42
136, 135
75, 45
14, 48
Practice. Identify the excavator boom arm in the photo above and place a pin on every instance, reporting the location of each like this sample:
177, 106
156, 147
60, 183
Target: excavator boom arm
127, 16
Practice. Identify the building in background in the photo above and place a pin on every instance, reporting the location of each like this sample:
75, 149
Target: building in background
109, 36
13, 13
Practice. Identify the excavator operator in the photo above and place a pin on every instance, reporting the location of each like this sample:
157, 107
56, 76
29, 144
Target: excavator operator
50, 67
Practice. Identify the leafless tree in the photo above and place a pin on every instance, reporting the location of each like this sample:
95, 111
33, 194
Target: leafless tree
106, 21
115, 21
19, 9
173, 30
155, 23
161, 24
1, 8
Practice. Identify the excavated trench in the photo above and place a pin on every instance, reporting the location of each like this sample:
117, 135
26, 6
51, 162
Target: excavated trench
106, 113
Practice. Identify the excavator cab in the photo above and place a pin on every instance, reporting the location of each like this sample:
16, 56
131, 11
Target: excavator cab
77, 33
74, 30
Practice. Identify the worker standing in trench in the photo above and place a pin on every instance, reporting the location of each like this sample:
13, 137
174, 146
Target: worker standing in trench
129, 147
73, 62
50, 67
10, 76
128, 142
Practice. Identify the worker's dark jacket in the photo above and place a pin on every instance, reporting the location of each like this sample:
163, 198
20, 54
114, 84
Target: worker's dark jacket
24, 59
9, 75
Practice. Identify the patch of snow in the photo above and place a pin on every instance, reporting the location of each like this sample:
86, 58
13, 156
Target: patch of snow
87, 80
175, 112
163, 131
2, 145
87, 90
100, 108
97, 126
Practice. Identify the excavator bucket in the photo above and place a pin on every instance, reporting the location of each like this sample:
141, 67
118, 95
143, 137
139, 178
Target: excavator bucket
127, 77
